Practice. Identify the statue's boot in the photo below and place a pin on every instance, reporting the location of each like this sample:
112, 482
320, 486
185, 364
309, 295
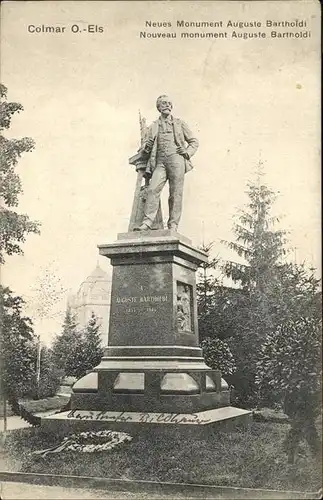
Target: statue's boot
143, 227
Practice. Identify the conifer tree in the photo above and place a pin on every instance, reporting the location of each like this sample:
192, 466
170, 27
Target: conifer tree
89, 350
206, 293
260, 248
66, 344
258, 242
93, 342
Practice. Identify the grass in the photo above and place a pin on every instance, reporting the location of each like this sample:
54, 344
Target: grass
252, 459
39, 405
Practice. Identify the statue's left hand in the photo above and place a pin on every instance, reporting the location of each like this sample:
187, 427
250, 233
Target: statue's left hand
181, 151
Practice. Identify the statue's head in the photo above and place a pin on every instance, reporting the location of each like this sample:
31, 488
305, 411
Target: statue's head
164, 105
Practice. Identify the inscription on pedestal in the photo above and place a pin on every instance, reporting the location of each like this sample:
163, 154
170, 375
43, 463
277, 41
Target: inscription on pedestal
141, 305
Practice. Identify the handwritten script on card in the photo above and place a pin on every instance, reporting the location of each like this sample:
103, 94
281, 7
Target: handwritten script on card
144, 418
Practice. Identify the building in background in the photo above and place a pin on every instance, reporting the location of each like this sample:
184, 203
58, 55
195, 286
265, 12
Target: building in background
93, 296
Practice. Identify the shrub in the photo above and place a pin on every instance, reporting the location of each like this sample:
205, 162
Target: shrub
218, 356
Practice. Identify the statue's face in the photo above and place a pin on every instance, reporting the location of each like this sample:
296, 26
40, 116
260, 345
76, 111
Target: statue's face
165, 105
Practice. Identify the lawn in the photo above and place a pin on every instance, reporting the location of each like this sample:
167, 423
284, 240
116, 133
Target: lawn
39, 405
252, 459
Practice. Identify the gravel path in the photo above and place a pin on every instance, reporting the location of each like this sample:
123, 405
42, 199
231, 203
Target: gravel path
22, 491
16, 422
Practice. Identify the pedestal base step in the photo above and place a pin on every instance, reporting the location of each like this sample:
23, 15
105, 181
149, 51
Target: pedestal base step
226, 418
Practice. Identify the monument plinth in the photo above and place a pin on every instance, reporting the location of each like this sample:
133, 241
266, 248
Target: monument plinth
153, 373
153, 361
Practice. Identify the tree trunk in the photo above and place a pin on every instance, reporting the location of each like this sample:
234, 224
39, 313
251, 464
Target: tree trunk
5, 419
38, 367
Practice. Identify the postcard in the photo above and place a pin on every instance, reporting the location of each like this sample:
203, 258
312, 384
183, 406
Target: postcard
150, 119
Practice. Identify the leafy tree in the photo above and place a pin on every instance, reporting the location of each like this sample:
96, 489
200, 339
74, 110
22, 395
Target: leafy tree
67, 343
13, 226
290, 363
18, 343
89, 350
47, 291
16, 334
295, 293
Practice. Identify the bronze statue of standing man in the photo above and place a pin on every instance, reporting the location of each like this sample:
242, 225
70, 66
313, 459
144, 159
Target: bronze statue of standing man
168, 148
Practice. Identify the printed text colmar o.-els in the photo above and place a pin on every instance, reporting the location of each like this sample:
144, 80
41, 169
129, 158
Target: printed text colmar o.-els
60, 29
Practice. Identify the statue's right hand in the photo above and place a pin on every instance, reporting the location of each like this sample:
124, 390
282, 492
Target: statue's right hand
149, 144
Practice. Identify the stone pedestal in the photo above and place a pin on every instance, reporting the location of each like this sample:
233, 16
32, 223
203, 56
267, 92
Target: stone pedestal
153, 375
153, 362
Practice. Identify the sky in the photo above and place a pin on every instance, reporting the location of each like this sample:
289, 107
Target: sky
247, 100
